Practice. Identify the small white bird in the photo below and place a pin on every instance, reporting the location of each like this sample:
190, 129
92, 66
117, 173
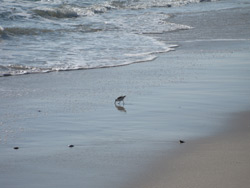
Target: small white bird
119, 99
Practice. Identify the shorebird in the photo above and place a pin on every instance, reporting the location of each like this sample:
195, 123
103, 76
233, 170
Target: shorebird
119, 99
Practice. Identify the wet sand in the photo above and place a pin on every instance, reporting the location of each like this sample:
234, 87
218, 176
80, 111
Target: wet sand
117, 147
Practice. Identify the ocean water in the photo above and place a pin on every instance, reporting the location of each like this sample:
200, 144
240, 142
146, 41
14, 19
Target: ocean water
53, 35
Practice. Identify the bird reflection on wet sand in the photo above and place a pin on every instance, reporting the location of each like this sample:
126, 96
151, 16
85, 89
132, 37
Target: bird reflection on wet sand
120, 108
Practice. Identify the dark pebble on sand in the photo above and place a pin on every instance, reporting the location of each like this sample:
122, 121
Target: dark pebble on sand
181, 141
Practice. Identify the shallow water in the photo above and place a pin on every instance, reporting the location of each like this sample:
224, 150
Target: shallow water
52, 35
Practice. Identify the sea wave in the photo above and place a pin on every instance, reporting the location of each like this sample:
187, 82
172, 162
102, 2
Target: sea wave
61, 35
15, 70
73, 11
56, 12
145, 23
143, 4
15, 31
76, 10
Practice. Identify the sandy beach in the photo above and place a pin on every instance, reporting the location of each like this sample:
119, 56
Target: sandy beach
218, 161
198, 93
